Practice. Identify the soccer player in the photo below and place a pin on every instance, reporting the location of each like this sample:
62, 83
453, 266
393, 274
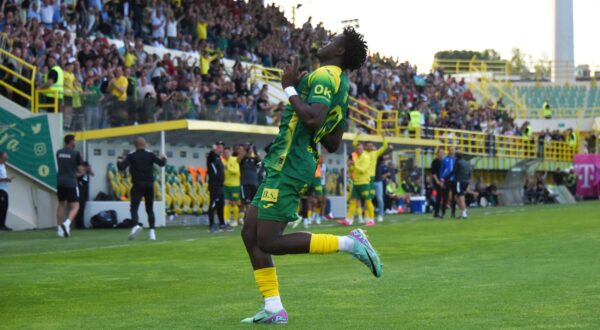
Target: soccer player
374, 155
141, 166
69, 168
316, 114
232, 187
361, 187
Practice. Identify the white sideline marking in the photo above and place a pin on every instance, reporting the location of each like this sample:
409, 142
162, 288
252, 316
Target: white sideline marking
77, 250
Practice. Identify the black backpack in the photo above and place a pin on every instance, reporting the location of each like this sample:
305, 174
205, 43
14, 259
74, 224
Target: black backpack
104, 219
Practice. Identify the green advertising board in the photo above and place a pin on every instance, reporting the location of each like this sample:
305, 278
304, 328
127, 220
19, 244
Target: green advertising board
29, 145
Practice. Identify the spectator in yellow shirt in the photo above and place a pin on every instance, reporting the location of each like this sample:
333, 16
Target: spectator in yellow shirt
202, 29
117, 86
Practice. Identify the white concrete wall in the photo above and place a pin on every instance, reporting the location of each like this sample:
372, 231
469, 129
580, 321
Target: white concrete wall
99, 182
583, 124
122, 209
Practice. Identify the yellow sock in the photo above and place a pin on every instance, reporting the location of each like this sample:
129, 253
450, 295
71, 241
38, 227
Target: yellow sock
351, 210
227, 212
309, 214
324, 243
370, 210
318, 210
266, 279
359, 209
236, 213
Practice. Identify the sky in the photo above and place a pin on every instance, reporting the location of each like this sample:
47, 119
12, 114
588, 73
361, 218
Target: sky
415, 30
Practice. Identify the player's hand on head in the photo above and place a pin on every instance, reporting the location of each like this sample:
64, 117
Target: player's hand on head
291, 75
163, 156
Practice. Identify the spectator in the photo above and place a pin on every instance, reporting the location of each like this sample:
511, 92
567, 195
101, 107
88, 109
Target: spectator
4, 181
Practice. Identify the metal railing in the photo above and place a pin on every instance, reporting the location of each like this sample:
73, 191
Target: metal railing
12, 79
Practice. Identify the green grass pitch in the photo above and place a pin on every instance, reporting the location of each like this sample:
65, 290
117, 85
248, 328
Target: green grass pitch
520, 267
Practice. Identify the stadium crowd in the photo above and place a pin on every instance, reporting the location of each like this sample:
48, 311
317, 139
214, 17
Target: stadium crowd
133, 86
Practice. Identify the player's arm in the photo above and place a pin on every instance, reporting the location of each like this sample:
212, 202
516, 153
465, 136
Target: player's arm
332, 141
383, 148
311, 114
355, 141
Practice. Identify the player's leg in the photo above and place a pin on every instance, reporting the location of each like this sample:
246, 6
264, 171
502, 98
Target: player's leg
60, 213
444, 198
236, 205
136, 198
227, 210
379, 198
265, 274
453, 198
148, 192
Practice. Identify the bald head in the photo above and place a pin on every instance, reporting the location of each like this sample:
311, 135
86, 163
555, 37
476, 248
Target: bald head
140, 143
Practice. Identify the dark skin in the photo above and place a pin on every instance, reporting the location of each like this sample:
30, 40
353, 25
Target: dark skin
264, 238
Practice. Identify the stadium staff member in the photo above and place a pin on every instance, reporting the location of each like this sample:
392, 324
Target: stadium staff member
414, 123
462, 172
436, 166
69, 168
4, 181
449, 182
141, 166
547, 110
54, 82
216, 180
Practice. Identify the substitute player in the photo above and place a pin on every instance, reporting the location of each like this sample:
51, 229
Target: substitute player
374, 154
316, 114
232, 187
361, 187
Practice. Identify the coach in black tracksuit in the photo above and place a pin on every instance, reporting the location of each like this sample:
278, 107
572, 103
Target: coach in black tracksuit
216, 178
141, 166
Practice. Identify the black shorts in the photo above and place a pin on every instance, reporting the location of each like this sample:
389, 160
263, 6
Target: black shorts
461, 188
70, 195
248, 192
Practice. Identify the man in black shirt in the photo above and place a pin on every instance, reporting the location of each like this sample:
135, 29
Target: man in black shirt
69, 168
141, 166
216, 180
83, 183
249, 167
436, 166
462, 173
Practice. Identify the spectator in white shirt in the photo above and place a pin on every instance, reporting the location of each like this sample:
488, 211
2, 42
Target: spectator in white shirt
4, 180
158, 22
47, 13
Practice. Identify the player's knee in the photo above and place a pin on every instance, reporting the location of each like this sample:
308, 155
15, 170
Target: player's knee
267, 245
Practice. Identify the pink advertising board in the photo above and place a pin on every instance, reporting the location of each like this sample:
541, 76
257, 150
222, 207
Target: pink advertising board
587, 168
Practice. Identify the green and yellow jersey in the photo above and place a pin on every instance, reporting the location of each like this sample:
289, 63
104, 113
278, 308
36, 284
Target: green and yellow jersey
294, 151
361, 167
232, 172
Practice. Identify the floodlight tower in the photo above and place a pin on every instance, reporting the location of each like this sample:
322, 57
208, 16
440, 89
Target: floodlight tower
563, 64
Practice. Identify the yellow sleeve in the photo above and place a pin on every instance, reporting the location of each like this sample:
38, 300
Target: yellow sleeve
355, 141
383, 148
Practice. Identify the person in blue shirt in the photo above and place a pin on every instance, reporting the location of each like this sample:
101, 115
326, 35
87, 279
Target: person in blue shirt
448, 181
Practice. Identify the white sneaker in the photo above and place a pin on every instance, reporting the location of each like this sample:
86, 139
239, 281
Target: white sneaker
318, 219
66, 229
135, 231
379, 218
234, 224
152, 235
60, 232
361, 220
305, 223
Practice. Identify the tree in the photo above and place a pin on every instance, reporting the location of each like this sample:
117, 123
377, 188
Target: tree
517, 62
486, 55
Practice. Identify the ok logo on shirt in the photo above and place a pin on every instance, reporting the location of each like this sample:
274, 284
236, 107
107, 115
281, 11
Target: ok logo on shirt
322, 90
